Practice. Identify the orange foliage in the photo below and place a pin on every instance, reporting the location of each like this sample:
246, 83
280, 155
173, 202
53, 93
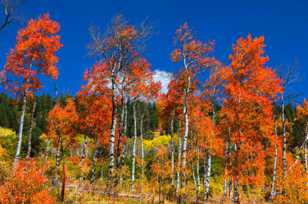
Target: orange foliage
26, 185
62, 122
34, 54
250, 89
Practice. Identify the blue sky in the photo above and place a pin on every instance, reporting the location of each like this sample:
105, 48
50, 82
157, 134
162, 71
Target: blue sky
283, 23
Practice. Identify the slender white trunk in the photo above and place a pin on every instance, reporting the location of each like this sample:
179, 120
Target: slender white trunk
58, 158
284, 137
208, 175
30, 130
186, 116
121, 132
172, 151
83, 151
21, 126
198, 171
186, 130
273, 191
142, 151
134, 147
94, 161
178, 173
112, 129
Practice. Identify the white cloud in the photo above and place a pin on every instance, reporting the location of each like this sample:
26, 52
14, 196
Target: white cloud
164, 78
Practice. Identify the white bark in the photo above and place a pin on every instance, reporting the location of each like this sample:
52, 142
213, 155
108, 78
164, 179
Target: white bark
236, 198
134, 147
142, 149
186, 116
172, 152
21, 126
94, 161
30, 130
284, 137
198, 171
113, 129
178, 173
208, 175
273, 191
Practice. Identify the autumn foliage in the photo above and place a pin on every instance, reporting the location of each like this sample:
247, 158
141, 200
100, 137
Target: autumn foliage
26, 185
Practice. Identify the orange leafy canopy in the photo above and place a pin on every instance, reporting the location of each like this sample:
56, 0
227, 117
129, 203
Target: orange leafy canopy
250, 89
34, 54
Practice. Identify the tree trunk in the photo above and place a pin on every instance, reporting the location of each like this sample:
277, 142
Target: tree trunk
142, 152
172, 151
94, 161
186, 130
121, 132
186, 116
198, 172
134, 147
230, 190
284, 137
178, 173
208, 174
236, 199
273, 191
21, 126
30, 130
83, 151
226, 150
63, 174
113, 128
62, 196
58, 159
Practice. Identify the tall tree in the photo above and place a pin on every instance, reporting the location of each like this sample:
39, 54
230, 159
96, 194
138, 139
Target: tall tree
61, 129
118, 48
141, 86
194, 56
34, 55
250, 90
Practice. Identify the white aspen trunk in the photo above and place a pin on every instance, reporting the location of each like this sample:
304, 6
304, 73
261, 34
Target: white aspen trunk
21, 126
198, 172
208, 175
230, 190
284, 137
134, 148
113, 128
225, 170
30, 130
124, 151
178, 173
142, 152
273, 191
226, 158
121, 132
83, 151
172, 151
186, 130
94, 161
186, 117
58, 159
